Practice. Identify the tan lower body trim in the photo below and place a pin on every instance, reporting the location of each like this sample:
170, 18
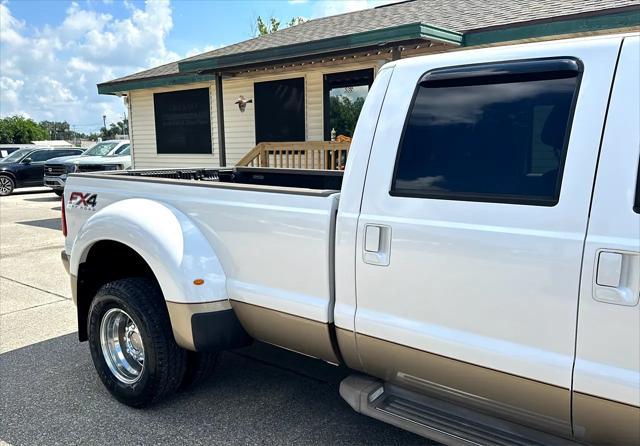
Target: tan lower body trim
180, 315
602, 421
285, 330
522, 400
348, 349
74, 288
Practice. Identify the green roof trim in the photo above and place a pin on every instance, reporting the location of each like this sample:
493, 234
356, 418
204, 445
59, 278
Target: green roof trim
163, 81
400, 33
578, 25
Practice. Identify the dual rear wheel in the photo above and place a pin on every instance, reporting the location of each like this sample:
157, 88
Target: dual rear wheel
133, 348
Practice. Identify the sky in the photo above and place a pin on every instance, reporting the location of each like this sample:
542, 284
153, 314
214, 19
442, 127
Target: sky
54, 52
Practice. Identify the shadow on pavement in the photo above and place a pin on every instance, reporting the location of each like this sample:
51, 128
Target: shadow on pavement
53, 198
49, 223
32, 192
260, 394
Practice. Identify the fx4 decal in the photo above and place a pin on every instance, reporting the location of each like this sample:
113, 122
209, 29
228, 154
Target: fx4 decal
79, 200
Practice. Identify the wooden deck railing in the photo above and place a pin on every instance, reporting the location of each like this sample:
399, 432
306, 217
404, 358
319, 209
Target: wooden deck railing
327, 155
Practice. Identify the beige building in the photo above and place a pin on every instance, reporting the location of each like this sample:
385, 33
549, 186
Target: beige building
275, 99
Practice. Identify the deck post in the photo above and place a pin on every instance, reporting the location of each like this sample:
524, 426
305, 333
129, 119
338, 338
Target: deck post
395, 53
220, 115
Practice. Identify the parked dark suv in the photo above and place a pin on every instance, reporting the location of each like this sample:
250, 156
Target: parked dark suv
25, 167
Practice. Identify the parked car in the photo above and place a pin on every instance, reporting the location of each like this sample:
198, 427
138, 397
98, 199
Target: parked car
25, 167
119, 159
478, 265
56, 170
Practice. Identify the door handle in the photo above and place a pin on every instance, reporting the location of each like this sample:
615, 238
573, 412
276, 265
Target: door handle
376, 247
617, 277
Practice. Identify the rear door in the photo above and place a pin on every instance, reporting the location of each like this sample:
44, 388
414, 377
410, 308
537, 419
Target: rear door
471, 238
34, 172
606, 400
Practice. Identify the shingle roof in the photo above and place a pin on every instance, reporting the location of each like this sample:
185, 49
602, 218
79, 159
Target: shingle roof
455, 15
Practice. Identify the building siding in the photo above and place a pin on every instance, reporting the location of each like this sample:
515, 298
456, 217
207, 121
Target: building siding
239, 126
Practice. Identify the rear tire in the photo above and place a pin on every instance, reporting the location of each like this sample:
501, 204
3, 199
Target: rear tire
132, 343
200, 367
6, 185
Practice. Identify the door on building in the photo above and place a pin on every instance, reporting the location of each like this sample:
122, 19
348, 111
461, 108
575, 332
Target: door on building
279, 110
344, 95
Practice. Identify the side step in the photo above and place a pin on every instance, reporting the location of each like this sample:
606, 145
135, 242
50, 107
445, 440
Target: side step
436, 419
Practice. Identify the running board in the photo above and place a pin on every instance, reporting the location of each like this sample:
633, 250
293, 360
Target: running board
436, 419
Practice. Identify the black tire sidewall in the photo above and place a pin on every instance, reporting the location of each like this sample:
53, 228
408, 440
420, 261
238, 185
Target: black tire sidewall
139, 393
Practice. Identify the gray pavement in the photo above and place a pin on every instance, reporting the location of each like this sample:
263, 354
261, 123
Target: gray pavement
50, 394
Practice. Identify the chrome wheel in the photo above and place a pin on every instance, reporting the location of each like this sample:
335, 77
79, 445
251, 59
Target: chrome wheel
122, 346
6, 185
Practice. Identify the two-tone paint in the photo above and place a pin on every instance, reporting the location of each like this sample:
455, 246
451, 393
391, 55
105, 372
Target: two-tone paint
488, 305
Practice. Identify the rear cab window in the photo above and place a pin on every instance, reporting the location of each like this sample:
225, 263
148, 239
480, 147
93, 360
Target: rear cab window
492, 132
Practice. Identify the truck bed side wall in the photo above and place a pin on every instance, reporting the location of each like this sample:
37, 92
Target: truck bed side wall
273, 248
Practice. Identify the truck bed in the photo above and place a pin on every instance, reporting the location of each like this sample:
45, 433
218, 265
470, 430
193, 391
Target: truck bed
249, 216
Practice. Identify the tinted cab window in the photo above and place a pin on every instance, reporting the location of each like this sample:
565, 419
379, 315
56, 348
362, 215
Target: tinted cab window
122, 150
44, 155
497, 138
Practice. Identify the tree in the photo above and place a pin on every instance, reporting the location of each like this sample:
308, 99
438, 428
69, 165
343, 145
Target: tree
272, 25
120, 128
20, 130
57, 129
296, 21
264, 28
343, 114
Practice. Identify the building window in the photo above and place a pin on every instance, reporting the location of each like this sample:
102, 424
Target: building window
497, 133
344, 95
183, 121
279, 110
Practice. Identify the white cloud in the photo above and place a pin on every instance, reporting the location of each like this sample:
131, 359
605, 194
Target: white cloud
205, 49
10, 27
78, 64
51, 72
9, 92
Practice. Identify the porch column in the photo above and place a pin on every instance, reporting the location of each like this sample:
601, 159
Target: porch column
222, 151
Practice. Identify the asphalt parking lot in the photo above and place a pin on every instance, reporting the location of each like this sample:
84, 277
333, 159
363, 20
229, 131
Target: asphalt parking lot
49, 393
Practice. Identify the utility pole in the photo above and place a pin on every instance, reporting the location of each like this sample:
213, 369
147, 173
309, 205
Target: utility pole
104, 122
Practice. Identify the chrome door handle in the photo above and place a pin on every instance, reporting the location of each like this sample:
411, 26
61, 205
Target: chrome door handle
617, 277
376, 247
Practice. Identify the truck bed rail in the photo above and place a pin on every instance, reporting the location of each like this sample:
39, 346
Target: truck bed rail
292, 178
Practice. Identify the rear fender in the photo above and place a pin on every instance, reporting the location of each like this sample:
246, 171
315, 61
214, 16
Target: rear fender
174, 248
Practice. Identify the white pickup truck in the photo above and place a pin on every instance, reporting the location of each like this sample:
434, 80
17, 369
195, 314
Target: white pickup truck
477, 266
